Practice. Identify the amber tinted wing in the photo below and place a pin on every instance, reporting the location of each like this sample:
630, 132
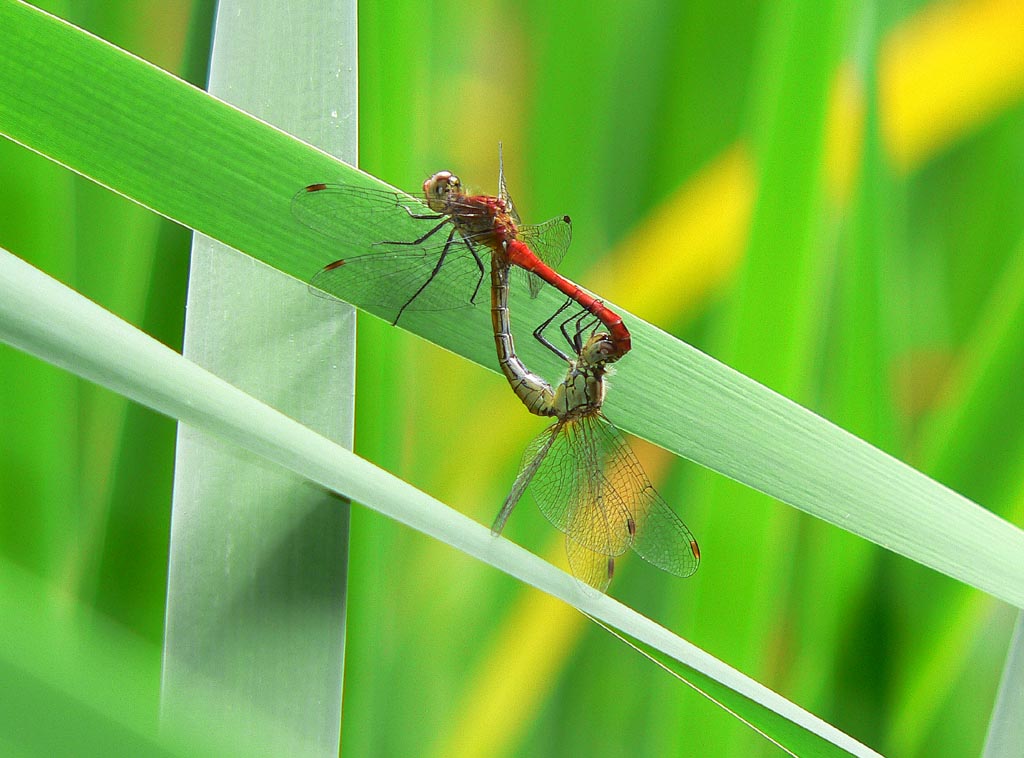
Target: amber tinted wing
661, 537
589, 566
573, 493
533, 457
550, 470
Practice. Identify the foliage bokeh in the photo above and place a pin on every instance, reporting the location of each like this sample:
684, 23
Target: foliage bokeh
654, 130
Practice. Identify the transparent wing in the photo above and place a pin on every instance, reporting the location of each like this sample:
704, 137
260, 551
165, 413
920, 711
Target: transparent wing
533, 457
418, 261
338, 210
555, 483
503, 188
399, 279
589, 566
659, 535
589, 484
344, 213
549, 242
573, 493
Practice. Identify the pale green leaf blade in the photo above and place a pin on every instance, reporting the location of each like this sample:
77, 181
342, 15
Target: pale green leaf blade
258, 559
1006, 727
45, 318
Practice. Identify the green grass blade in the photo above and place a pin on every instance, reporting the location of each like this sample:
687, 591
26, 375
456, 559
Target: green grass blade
45, 464
772, 325
208, 166
1006, 728
258, 559
787, 728
991, 361
73, 683
835, 574
43, 317
975, 424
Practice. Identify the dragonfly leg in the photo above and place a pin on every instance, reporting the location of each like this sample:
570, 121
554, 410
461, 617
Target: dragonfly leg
575, 339
582, 321
413, 214
538, 333
479, 265
424, 238
437, 267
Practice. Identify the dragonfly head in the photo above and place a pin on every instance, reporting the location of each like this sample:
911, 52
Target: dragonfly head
599, 350
439, 188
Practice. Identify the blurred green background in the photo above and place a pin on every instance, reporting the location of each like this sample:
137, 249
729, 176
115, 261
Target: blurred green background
690, 143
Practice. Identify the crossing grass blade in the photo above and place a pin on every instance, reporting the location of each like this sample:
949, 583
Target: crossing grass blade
961, 211
72, 334
237, 189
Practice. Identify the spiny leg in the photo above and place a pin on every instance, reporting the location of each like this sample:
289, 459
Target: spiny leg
479, 265
417, 215
538, 333
582, 321
437, 268
423, 238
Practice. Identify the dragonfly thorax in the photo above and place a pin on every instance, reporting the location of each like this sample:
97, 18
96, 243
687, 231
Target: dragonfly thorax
580, 393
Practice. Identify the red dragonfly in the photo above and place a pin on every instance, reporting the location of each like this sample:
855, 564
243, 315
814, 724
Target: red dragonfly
440, 266
581, 470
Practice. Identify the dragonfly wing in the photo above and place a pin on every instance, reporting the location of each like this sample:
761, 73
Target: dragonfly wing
659, 535
503, 188
532, 281
525, 279
589, 566
399, 278
348, 212
605, 510
572, 492
533, 457
549, 240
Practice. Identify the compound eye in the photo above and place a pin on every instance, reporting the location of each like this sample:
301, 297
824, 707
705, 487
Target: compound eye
437, 184
437, 188
604, 347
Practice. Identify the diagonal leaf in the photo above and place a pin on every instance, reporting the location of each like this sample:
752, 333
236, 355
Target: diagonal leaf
1006, 729
43, 317
783, 728
235, 185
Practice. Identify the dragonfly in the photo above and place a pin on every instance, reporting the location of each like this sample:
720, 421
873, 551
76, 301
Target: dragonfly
581, 471
442, 265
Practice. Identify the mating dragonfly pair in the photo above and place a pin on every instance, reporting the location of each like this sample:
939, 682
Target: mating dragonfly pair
580, 470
